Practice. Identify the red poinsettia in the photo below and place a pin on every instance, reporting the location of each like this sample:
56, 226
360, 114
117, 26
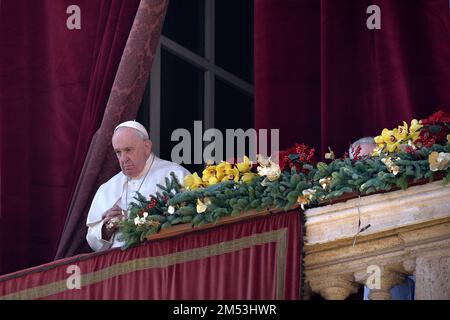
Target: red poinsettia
435, 129
436, 118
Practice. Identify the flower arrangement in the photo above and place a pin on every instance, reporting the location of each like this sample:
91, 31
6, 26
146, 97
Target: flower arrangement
399, 139
405, 154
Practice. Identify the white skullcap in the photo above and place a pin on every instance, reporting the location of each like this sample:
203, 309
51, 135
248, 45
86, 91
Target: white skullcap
135, 125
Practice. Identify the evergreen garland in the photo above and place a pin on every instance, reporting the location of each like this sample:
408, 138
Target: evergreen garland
320, 183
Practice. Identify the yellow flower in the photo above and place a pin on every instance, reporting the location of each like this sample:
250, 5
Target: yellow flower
401, 133
220, 169
248, 177
202, 206
231, 174
244, 166
209, 175
438, 161
414, 129
448, 138
388, 137
192, 182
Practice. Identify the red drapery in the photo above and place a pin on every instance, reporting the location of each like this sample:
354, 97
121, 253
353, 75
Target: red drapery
325, 79
255, 259
124, 100
54, 84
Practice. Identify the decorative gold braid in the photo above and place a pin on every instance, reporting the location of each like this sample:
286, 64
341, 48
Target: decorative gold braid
279, 236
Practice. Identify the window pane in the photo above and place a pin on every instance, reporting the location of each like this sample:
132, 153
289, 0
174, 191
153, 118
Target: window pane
184, 23
233, 110
181, 101
234, 37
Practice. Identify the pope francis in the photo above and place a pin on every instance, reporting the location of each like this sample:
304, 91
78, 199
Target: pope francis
140, 172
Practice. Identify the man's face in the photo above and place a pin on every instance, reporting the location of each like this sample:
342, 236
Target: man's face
131, 151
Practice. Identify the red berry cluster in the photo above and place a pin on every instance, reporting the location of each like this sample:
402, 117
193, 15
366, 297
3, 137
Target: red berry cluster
302, 154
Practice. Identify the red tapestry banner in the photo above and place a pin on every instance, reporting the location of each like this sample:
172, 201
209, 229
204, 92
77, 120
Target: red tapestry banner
258, 258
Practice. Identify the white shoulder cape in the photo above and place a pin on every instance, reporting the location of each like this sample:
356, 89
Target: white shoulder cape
110, 192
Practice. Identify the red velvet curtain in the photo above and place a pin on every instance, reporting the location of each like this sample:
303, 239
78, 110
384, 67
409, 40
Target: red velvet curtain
124, 100
54, 84
325, 79
255, 259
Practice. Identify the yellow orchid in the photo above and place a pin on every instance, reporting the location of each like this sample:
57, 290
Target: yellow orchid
401, 133
209, 176
248, 177
414, 129
438, 161
245, 165
231, 174
192, 182
388, 139
221, 168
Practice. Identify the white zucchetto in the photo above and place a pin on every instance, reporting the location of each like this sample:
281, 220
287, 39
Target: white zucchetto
135, 125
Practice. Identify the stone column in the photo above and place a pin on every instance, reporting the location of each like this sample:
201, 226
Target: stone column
433, 277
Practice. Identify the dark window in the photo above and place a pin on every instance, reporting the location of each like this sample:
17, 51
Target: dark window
185, 24
234, 37
181, 100
187, 87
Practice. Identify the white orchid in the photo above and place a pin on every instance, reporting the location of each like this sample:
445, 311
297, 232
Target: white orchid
268, 169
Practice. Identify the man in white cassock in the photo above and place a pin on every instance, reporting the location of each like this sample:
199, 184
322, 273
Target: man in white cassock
141, 171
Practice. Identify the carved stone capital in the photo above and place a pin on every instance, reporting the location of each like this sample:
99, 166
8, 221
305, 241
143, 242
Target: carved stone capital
409, 265
334, 287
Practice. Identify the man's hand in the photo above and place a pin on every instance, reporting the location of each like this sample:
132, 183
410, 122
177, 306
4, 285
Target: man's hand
111, 220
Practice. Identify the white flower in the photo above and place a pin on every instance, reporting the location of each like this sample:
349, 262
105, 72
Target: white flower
201, 207
391, 166
439, 161
171, 210
306, 197
268, 168
145, 214
136, 221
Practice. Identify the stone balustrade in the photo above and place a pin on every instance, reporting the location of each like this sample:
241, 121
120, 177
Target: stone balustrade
409, 234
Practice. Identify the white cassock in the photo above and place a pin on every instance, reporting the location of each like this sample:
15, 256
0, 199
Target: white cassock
121, 190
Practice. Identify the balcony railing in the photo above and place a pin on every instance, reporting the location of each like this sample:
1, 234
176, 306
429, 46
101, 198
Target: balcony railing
409, 234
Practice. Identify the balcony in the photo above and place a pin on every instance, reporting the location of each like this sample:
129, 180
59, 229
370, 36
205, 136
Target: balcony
409, 234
